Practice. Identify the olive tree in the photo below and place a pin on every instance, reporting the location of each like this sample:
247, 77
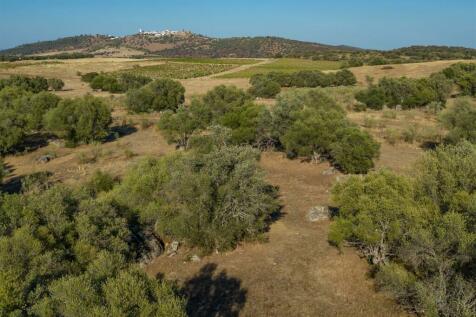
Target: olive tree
78, 120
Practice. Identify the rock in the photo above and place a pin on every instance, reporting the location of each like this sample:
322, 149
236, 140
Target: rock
45, 158
173, 248
153, 247
398, 107
318, 213
195, 258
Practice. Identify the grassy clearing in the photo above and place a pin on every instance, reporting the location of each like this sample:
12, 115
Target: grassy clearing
180, 70
287, 65
219, 61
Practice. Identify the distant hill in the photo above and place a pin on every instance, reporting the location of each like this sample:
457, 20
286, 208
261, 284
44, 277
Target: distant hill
181, 44
188, 44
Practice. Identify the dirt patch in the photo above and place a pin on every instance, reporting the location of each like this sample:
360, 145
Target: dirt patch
297, 272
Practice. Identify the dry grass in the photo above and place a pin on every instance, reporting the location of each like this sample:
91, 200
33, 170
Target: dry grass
412, 70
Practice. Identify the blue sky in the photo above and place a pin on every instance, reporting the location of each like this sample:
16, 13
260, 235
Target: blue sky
375, 24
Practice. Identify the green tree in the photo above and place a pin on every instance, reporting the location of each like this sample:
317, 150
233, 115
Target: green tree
55, 84
264, 87
212, 200
355, 151
78, 120
460, 120
375, 212
159, 95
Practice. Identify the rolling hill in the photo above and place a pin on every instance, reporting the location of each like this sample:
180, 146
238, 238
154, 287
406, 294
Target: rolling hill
177, 45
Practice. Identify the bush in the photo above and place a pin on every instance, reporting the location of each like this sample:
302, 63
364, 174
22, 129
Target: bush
78, 120
354, 151
305, 78
222, 105
373, 98
264, 88
64, 254
160, 95
311, 124
464, 76
100, 182
31, 84
212, 201
89, 77
460, 120
107, 83
405, 92
55, 84
21, 112
420, 233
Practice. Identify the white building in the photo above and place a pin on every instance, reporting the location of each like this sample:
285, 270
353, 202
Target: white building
158, 33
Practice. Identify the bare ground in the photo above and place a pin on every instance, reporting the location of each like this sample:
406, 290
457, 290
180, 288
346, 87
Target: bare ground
296, 273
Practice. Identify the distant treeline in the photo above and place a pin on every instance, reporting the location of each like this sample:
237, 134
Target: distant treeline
15, 58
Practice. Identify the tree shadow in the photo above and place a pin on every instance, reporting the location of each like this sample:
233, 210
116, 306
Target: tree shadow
120, 131
212, 294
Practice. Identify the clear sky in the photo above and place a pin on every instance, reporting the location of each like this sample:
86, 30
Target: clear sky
379, 24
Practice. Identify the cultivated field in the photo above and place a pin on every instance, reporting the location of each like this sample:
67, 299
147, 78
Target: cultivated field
287, 65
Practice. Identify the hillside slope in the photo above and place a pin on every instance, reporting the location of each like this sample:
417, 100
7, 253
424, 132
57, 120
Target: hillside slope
182, 44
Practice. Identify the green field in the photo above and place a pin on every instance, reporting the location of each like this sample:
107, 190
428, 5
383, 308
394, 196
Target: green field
219, 61
176, 70
287, 65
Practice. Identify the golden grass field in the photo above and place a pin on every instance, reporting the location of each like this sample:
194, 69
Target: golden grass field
296, 272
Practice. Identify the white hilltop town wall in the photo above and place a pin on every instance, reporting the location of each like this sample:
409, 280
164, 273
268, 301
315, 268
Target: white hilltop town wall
160, 33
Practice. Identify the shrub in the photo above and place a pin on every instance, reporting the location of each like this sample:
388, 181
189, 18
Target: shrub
410, 134
246, 123
354, 151
406, 92
100, 182
107, 83
464, 76
460, 120
12, 129
306, 78
264, 88
55, 84
39, 105
139, 100
212, 201
66, 254
89, 77
392, 136
31, 84
373, 211
159, 95
373, 97
311, 124
78, 120
420, 232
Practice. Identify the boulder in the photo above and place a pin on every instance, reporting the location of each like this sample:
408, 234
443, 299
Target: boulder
318, 213
45, 158
153, 247
195, 258
173, 248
